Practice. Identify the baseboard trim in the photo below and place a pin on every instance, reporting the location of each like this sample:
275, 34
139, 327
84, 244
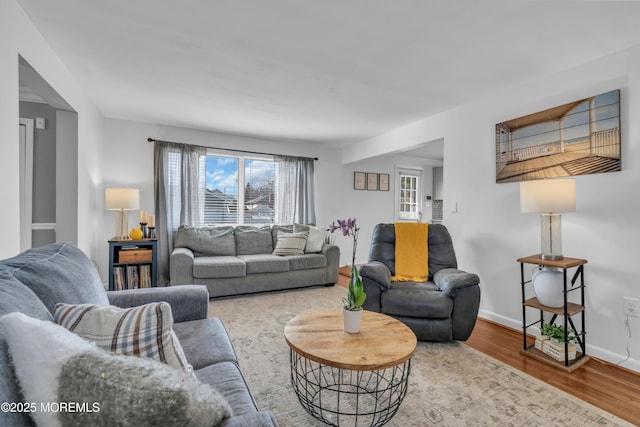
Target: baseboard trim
592, 350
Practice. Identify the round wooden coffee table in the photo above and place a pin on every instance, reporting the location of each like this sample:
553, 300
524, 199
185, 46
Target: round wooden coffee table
349, 379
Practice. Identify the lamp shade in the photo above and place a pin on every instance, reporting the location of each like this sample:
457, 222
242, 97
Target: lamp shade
548, 195
127, 199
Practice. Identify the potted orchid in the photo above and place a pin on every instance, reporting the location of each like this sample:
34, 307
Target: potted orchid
352, 303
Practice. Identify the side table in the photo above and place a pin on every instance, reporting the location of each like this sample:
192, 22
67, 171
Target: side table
567, 311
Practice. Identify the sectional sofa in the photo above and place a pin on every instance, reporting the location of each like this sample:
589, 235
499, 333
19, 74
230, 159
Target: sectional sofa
32, 285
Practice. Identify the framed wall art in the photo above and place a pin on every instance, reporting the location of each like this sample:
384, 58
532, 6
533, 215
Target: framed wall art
578, 138
383, 182
372, 181
359, 180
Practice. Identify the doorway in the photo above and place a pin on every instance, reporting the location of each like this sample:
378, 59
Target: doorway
48, 163
26, 181
408, 206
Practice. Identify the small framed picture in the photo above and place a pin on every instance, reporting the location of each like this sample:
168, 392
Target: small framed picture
359, 181
383, 182
372, 181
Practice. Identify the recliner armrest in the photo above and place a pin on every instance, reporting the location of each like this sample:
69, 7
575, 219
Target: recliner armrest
450, 280
378, 272
188, 302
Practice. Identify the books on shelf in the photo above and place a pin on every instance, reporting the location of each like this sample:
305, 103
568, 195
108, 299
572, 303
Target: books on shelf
132, 277
554, 349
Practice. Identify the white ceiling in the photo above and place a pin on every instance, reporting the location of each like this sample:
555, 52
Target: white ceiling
334, 71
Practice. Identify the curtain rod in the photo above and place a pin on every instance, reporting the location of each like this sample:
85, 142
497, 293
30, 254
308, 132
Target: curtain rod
237, 151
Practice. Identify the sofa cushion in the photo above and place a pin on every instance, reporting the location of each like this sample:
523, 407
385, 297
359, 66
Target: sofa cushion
291, 243
227, 378
264, 263
441, 252
143, 331
411, 299
306, 261
206, 241
55, 365
205, 342
383, 246
316, 238
59, 272
218, 267
15, 296
253, 240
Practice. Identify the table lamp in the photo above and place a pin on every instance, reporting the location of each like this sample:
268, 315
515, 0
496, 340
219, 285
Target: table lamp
122, 200
549, 197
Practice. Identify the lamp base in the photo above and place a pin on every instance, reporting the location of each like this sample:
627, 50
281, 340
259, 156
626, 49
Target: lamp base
551, 236
122, 225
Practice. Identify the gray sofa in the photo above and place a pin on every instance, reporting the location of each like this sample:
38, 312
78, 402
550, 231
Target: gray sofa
443, 308
34, 281
240, 260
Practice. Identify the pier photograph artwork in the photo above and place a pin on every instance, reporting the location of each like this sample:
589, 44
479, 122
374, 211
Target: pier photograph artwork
581, 137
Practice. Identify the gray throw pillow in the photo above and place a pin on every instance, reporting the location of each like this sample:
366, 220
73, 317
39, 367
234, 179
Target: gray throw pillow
206, 241
253, 240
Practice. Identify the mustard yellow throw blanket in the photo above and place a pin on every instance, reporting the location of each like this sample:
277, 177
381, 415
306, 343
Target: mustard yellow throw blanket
412, 256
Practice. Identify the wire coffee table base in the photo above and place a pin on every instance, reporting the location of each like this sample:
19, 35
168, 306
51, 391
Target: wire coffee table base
344, 397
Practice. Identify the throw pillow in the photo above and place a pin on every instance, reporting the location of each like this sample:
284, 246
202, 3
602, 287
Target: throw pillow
83, 385
316, 237
291, 243
143, 331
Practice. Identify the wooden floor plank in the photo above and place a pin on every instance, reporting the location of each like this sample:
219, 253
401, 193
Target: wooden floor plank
609, 387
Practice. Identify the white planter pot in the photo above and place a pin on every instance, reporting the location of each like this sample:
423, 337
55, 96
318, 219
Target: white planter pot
351, 320
548, 286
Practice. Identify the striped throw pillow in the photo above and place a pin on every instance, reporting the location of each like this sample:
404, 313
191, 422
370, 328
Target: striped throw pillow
143, 331
291, 243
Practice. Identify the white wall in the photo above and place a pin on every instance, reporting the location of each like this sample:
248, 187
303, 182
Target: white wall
489, 231
20, 37
128, 161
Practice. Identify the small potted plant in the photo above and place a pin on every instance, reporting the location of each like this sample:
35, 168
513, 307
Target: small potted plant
352, 303
557, 333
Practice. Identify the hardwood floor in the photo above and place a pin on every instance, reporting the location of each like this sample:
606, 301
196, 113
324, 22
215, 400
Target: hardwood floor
609, 387
612, 388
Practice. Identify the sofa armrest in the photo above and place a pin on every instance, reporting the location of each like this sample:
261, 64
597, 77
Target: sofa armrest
378, 273
181, 266
451, 280
376, 279
188, 302
332, 252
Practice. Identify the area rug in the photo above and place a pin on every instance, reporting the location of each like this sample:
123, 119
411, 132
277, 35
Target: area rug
451, 384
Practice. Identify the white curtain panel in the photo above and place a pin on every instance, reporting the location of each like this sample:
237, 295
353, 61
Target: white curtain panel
295, 191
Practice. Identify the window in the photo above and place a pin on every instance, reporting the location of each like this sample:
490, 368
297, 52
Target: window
408, 195
239, 190
198, 186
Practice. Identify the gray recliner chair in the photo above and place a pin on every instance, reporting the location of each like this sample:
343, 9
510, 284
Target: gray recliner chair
444, 308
